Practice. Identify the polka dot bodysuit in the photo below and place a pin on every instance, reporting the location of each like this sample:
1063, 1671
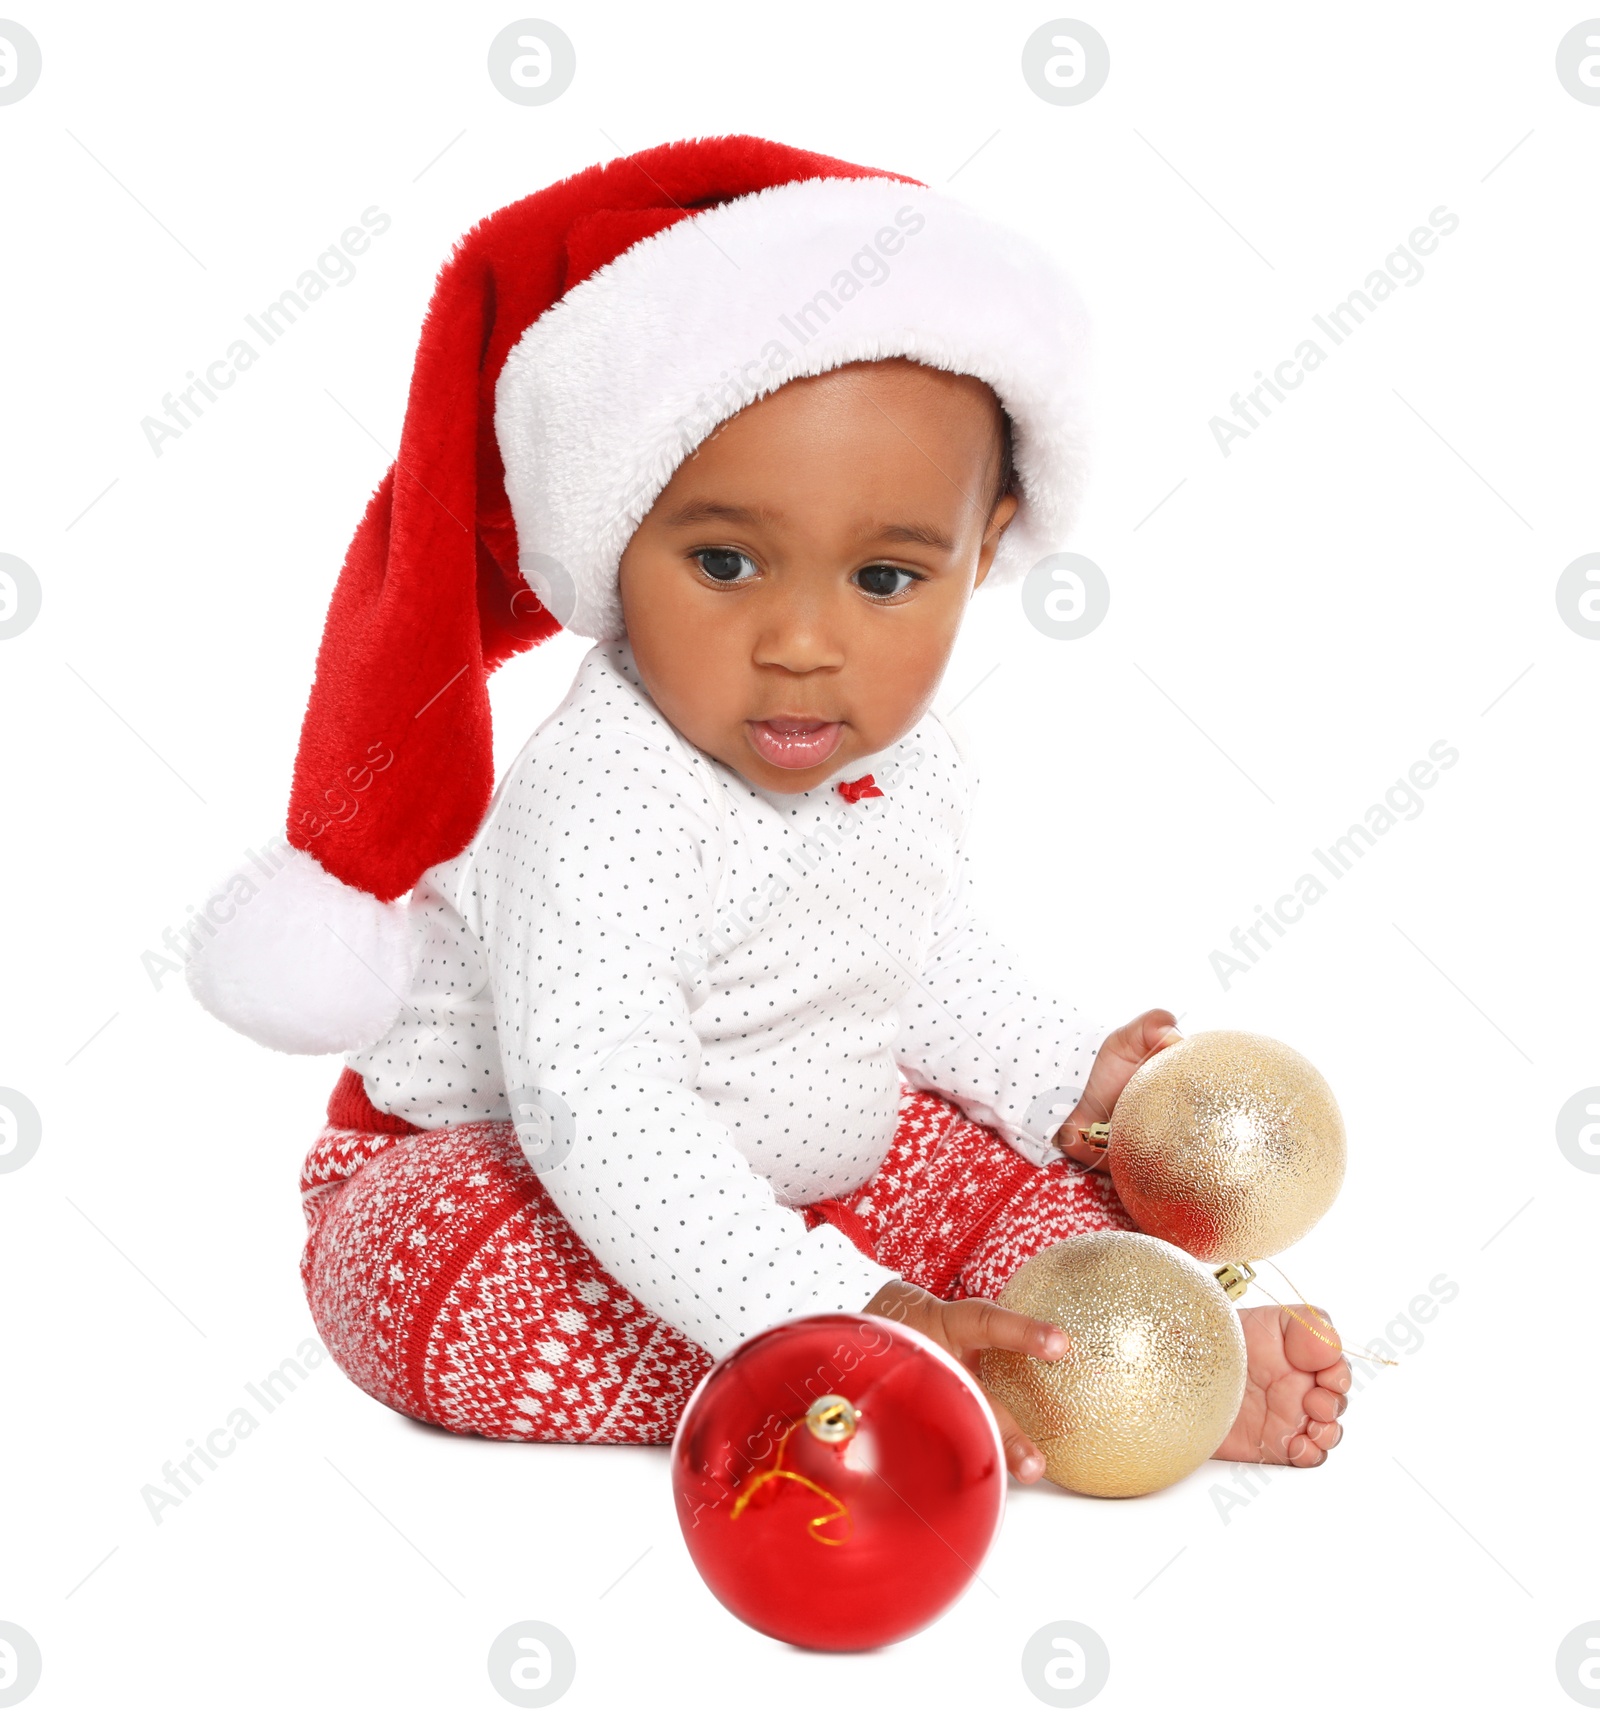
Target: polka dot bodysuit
698, 999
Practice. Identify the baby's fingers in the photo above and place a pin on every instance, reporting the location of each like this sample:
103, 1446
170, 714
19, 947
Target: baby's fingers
978, 1325
1023, 1459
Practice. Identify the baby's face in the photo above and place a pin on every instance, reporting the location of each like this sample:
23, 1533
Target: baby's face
793, 596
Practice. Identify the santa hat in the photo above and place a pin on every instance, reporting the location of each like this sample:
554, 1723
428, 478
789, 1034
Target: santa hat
580, 344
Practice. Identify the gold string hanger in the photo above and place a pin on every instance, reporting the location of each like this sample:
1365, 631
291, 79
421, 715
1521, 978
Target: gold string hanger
830, 1419
1387, 1361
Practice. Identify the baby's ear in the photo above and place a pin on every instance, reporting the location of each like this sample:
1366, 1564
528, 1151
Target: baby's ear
1005, 507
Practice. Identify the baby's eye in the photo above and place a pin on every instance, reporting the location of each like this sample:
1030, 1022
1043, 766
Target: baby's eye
885, 581
723, 564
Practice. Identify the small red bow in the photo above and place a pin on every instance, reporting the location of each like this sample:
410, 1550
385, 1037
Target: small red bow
852, 791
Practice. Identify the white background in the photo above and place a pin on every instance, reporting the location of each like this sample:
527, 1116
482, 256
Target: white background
1372, 570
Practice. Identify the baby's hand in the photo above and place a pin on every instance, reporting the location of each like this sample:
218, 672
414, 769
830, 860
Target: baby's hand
964, 1329
1113, 1067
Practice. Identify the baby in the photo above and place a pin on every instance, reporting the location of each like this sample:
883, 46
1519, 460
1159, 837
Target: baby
696, 1032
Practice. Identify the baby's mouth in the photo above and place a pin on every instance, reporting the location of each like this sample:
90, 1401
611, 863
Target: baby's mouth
793, 740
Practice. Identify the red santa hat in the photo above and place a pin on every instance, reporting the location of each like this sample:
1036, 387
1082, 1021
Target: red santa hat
580, 344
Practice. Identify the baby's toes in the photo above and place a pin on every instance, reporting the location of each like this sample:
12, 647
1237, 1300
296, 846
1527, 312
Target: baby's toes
1309, 1340
1324, 1435
1325, 1405
1303, 1451
1338, 1377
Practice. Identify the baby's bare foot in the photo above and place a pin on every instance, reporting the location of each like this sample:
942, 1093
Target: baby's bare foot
1295, 1389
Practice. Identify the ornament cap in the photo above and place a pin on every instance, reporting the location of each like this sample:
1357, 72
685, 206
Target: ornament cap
831, 1418
1235, 1279
1097, 1134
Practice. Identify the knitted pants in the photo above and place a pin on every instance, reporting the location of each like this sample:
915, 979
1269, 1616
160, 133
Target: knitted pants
446, 1284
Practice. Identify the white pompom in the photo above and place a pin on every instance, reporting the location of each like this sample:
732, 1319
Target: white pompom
308, 964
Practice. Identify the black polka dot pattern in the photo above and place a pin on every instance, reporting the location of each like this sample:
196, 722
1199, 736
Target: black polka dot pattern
710, 994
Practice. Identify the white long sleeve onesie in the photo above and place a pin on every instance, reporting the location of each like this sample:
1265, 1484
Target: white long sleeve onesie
697, 1000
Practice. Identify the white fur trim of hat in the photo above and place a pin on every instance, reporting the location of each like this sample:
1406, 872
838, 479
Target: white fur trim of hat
605, 395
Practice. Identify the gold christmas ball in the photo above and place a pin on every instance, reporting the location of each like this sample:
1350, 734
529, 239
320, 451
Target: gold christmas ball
1228, 1144
1155, 1373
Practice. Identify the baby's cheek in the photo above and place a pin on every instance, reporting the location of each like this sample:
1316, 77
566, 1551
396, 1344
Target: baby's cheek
893, 693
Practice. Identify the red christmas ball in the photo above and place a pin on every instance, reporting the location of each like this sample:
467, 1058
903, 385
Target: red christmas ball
838, 1481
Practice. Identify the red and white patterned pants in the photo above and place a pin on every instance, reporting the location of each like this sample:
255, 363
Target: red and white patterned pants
447, 1285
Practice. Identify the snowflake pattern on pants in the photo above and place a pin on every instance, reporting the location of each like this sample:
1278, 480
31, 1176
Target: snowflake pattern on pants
446, 1284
